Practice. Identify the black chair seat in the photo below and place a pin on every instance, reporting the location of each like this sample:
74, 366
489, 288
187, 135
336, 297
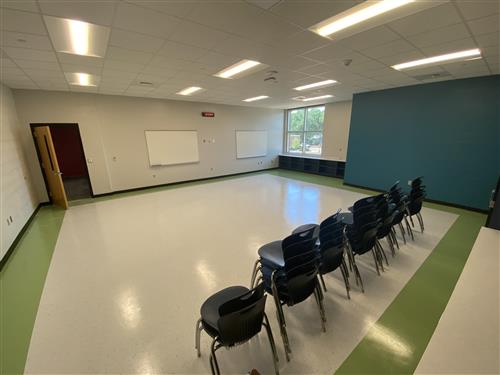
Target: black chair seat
210, 309
305, 227
271, 254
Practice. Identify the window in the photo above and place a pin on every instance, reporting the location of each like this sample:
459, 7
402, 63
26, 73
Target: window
304, 133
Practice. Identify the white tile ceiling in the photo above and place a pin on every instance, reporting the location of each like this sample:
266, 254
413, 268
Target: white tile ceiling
176, 44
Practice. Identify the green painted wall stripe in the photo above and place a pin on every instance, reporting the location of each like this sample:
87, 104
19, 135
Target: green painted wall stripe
397, 341
21, 285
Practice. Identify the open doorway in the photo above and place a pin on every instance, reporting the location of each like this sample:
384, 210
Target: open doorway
71, 161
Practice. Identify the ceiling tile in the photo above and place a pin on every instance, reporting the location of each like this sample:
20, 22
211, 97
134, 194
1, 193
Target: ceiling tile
141, 20
182, 51
97, 12
44, 74
329, 52
122, 66
23, 22
29, 54
389, 49
441, 35
174, 8
136, 57
488, 40
5, 62
22, 40
401, 57
302, 42
315, 69
160, 71
454, 46
478, 8
41, 65
8, 71
366, 39
485, 25
135, 41
26, 5
264, 4
197, 35
217, 61
429, 19
117, 76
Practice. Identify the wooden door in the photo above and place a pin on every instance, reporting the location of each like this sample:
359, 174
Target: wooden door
50, 166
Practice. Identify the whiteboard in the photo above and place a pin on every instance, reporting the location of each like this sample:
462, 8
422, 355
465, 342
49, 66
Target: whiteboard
167, 147
251, 143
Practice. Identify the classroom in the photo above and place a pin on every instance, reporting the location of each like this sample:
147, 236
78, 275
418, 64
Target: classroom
250, 187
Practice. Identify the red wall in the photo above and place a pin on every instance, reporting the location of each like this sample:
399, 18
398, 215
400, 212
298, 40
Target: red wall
69, 150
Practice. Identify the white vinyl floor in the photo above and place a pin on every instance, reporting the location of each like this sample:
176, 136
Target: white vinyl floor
466, 340
129, 275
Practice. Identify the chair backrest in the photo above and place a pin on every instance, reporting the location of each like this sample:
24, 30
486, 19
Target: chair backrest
300, 282
298, 243
331, 246
241, 318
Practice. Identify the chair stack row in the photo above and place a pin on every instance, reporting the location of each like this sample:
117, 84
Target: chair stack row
291, 270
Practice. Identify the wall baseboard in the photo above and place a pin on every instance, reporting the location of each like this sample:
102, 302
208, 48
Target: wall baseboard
9, 252
426, 200
181, 182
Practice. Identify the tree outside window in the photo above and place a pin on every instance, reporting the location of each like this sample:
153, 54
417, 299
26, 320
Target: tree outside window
305, 130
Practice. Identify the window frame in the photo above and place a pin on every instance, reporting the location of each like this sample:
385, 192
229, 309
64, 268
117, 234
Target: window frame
303, 132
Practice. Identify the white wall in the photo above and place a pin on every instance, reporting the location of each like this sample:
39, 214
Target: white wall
112, 130
18, 198
336, 130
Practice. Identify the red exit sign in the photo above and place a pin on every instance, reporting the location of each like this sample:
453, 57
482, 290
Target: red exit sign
208, 114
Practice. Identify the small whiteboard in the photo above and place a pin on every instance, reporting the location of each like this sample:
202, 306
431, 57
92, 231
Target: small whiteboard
251, 143
167, 147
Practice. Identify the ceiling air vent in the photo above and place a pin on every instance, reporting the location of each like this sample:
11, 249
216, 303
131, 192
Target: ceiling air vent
431, 76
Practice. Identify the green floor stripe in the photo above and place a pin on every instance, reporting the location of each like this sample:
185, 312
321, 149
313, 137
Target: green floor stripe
21, 284
397, 341
393, 346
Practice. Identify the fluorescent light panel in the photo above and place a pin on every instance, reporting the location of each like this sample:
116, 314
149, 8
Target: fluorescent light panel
303, 99
237, 68
77, 37
328, 82
256, 98
441, 59
82, 79
189, 90
356, 14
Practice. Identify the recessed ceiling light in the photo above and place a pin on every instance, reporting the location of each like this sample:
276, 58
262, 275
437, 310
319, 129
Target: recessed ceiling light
438, 60
77, 37
237, 68
82, 79
256, 98
304, 99
355, 15
189, 90
328, 82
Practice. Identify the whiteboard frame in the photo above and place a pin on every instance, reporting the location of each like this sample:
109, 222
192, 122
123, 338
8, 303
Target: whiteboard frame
248, 131
170, 130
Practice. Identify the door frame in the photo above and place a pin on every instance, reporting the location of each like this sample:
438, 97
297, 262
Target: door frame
51, 125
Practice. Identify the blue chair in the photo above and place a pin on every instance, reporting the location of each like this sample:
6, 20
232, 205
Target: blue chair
231, 317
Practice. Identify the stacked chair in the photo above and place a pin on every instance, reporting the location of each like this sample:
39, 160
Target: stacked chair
289, 271
232, 317
415, 200
398, 199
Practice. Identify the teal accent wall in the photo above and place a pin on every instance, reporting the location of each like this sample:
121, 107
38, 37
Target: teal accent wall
448, 132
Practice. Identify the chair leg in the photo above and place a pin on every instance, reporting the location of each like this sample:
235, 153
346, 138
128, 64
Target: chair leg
408, 228
346, 280
382, 254
411, 221
421, 222
272, 343
376, 260
322, 282
402, 230
345, 267
394, 238
281, 319
199, 328
357, 274
213, 358
320, 306
254, 272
